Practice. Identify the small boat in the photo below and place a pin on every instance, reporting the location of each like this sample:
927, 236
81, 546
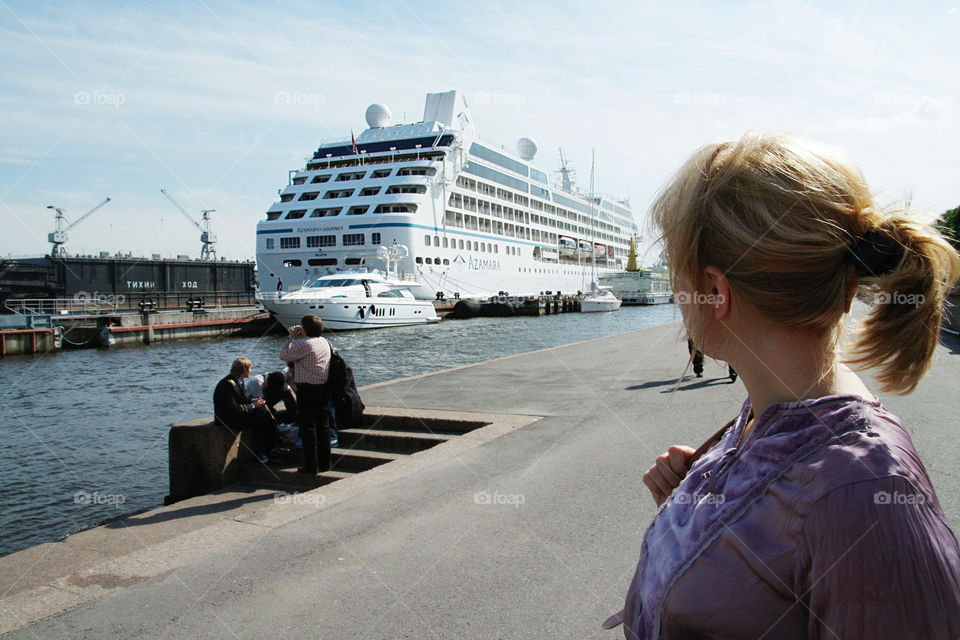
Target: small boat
355, 299
600, 299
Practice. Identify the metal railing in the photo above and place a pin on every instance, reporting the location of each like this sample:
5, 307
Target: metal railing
112, 303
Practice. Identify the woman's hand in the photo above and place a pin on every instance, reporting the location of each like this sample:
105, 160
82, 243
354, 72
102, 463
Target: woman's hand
667, 472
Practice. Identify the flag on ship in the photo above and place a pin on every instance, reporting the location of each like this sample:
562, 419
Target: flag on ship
353, 141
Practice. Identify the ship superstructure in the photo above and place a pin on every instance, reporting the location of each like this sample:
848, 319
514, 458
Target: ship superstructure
477, 220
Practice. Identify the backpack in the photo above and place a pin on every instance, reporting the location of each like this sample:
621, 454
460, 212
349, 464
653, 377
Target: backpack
343, 392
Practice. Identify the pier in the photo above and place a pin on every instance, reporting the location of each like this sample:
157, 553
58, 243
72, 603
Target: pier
529, 526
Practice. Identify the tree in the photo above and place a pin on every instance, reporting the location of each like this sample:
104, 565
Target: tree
949, 226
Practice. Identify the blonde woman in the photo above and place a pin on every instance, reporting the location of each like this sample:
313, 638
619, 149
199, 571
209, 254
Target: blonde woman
812, 515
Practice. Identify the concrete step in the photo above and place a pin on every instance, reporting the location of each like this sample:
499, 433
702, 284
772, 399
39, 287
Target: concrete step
415, 424
390, 441
286, 477
360, 459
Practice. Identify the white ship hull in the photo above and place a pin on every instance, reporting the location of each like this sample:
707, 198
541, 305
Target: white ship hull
352, 301
340, 315
477, 221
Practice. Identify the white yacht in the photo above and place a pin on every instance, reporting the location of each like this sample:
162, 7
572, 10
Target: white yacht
600, 299
354, 300
478, 219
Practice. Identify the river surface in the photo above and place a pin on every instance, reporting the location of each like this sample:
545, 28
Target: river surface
85, 432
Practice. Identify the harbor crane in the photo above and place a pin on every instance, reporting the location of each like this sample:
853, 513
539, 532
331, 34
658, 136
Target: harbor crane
207, 237
59, 235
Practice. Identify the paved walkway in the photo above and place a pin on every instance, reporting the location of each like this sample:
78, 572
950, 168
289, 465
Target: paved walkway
534, 534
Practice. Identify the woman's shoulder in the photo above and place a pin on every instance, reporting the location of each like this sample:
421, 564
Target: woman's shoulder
875, 449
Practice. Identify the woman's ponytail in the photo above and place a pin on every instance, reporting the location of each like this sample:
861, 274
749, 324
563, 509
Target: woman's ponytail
909, 268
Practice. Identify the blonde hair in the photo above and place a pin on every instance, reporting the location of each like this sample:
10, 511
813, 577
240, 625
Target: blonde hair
239, 366
782, 218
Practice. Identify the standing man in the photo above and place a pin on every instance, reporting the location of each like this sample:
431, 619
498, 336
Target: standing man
279, 286
310, 356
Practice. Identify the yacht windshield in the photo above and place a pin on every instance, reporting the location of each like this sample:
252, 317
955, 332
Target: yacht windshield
339, 282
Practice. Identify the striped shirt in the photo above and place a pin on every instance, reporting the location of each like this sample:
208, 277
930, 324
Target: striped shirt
310, 358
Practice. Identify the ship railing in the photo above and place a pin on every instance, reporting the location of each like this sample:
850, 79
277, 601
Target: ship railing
101, 304
63, 306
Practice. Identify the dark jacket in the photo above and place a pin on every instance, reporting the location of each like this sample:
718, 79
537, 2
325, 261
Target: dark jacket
272, 397
343, 393
230, 403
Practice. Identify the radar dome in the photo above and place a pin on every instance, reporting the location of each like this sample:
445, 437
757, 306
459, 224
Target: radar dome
378, 116
526, 148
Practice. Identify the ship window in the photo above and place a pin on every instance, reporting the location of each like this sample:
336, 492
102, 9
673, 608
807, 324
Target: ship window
352, 239
419, 260
292, 263
357, 175
287, 197
429, 260
274, 215
309, 195
496, 248
446, 262
475, 245
437, 260
426, 240
374, 238
353, 261
338, 193
483, 247
396, 208
321, 179
407, 188
322, 262
321, 241
300, 180
417, 171
370, 191
380, 173
269, 243
326, 213
290, 243
390, 293
296, 214
436, 241
461, 244
445, 242
357, 211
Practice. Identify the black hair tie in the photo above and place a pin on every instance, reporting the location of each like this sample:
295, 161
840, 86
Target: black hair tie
876, 254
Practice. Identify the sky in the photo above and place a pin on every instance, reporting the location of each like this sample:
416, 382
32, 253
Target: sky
216, 101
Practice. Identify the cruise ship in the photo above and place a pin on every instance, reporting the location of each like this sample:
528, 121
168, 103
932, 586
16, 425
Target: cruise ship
472, 220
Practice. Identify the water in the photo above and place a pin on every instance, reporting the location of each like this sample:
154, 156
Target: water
85, 435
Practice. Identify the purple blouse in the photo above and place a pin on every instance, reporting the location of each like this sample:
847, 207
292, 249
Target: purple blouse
823, 525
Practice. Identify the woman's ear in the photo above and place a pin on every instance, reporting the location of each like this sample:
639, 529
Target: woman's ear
718, 297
